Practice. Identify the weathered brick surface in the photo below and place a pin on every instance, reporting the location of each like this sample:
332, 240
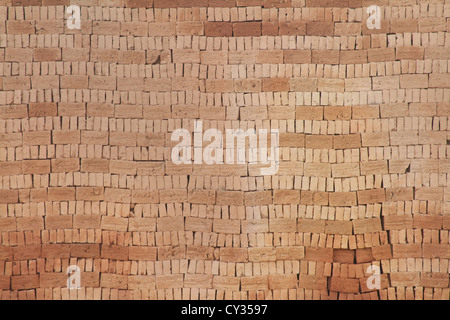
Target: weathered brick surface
88, 172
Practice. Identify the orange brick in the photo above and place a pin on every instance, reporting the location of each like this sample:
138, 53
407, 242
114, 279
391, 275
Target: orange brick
319, 254
66, 137
411, 250
282, 281
234, 255
218, 29
25, 282
59, 221
20, 27
286, 197
36, 166
61, 194
247, 29
35, 138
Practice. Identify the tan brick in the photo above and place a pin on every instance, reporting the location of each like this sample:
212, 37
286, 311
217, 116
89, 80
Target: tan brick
286, 196
36, 166
226, 283
255, 283
142, 253
309, 113
102, 83
20, 27
393, 110
9, 168
18, 54
325, 56
383, 252
258, 198
344, 199
344, 170
337, 113
74, 82
398, 222
25, 282
27, 252
230, 198
299, 56
66, 137
290, 253
47, 54
169, 281
30, 224
214, 57
348, 141
311, 226
330, 85
61, 194
314, 282
117, 195
36, 138
254, 226
86, 221
95, 165
413, 81
380, 54
122, 167
45, 82
363, 226
269, 57
365, 112
375, 139
114, 223
409, 53
85, 250
262, 254
234, 255
319, 254
410, 250
59, 221
75, 54
171, 196
399, 194
319, 141
352, 56
338, 227
282, 281
226, 226
16, 83
374, 167
114, 281
385, 83
162, 29
404, 279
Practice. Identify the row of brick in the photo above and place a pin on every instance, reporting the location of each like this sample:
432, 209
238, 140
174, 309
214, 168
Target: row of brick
232, 255
406, 81
213, 3
222, 58
227, 226
229, 29
199, 281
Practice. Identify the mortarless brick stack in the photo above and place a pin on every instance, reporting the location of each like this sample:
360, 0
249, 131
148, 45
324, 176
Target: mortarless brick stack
87, 179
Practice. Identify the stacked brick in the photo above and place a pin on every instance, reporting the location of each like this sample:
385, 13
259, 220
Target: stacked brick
86, 176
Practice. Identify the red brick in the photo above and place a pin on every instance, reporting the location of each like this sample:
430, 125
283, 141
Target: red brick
269, 28
320, 28
25, 282
319, 254
346, 285
275, 84
292, 28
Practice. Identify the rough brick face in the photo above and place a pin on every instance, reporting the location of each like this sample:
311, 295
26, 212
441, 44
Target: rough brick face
114, 154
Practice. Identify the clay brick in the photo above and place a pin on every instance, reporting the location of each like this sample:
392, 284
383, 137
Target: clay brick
47, 54
383, 252
6, 253
202, 196
30, 223
342, 199
403, 25
55, 251
439, 80
314, 198
16, 83
293, 140
58, 222
226, 283
436, 53
139, 3
374, 167
344, 256
247, 85
61, 194
230, 198
319, 254
24, 282
429, 193
311, 226
214, 57
433, 251
427, 222
338, 227
314, 282
169, 281
380, 54
410, 250
226, 226
344, 170
432, 25
122, 167
364, 255
347, 29
399, 194
52, 280
434, 280
8, 168
309, 113
292, 28
331, 85
171, 196
66, 137
363, 226
275, 84
319, 141
320, 28
5, 282
234, 255
282, 225
413, 81
18, 54
137, 29
142, 253
9, 196
277, 3
258, 198
74, 82
114, 281
117, 195
352, 56
247, 29
269, 28
95, 165
282, 281
401, 138
218, 29
398, 222
85, 250
35, 138
375, 139
365, 112
358, 84
114, 223
404, 279
114, 252
255, 283
45, 82
36, 166
27, 252
20, 27
298, 56
75, 54
262, 254
186, 56
202, 281
100, 109
86, 221
348, 141
325, 56
290, 253
386, 83
43, 109
409, 53
122, 139
286, 196
371, 196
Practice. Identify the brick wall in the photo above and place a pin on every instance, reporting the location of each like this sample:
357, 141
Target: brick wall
86, 176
